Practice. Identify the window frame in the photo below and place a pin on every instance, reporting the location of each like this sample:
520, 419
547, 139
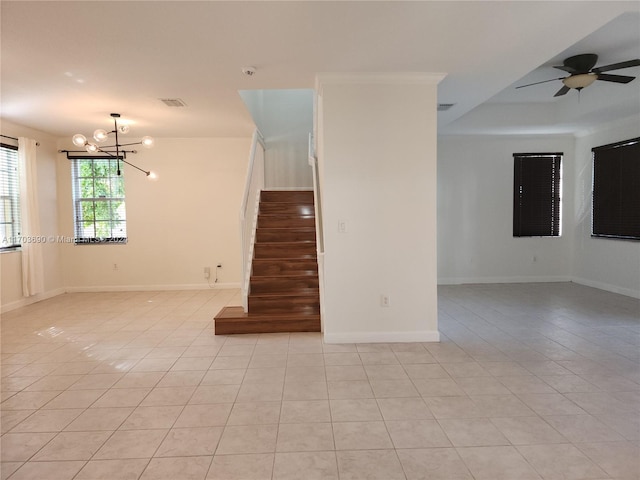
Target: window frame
538, 183
12, 196
80, 237
616, 195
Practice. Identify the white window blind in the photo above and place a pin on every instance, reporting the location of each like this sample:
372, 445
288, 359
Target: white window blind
9, 198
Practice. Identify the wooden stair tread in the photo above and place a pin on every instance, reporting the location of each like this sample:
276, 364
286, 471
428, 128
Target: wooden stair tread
310, 257
298, 277
236, 312
285, 294
284, 196
287, 215
292, 243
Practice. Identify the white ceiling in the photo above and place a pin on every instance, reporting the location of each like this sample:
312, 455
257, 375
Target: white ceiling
67, 65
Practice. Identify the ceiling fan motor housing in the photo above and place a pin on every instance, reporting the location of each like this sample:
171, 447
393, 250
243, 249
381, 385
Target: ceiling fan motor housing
581, 63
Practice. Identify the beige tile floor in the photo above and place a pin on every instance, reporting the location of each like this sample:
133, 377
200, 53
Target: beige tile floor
529, 382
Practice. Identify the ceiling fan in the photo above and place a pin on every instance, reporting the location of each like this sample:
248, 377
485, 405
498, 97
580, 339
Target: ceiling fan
582, 74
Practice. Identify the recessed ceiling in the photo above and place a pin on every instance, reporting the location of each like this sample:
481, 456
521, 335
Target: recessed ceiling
67, 65
534, 109
617, 41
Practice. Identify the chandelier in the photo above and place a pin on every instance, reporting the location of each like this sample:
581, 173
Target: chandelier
115, 150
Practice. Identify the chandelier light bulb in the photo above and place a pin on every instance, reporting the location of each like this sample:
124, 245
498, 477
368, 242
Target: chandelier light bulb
79, 140
100, 135
152, 176
92, 147
147, 142
124, 128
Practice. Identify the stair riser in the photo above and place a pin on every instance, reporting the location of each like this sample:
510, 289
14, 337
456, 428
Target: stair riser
287, 196
272, 235
287, 209
262, 267
267, 326
300, 285
282, 221
284, 250
309, 305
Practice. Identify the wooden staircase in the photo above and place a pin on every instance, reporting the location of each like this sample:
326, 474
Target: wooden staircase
283, 288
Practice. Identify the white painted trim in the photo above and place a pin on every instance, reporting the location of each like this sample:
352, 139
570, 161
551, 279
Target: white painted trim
320, 260
383, 337
607, 287
33, 299
287, 189
149, 288
465, 280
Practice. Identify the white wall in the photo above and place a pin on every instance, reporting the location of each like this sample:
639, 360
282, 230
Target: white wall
286, 163
10, 262
475, 212
377, 156
609, 264
285, 119
177, 225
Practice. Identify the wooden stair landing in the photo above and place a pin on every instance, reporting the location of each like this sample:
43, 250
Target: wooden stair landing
283, 289
233, 320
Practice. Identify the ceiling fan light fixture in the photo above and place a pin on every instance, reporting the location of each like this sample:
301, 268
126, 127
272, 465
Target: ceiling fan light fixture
580, 80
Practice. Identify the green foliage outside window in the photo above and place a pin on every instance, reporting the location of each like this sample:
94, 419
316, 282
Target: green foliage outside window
99, 200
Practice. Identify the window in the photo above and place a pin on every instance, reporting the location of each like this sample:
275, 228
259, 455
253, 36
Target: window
98, 199
10, 196
536, 194
616, 190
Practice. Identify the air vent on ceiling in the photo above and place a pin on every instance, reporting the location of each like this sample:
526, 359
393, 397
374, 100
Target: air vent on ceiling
443, 107
173, 102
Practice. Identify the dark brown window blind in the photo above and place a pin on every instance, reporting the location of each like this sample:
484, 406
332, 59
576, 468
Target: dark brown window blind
536, 194
616, 190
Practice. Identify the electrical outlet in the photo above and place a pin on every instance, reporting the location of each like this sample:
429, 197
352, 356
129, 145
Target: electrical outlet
385, 300
342, 226
207, 272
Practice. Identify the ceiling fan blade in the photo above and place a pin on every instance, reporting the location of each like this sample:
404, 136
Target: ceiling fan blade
614, 78
618, 66
565, 68
538, 83
562, 91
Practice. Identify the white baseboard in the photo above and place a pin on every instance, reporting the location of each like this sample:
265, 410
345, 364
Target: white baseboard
382, 337
23, 302
466, 280
287, 189
149, 288
607, 287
